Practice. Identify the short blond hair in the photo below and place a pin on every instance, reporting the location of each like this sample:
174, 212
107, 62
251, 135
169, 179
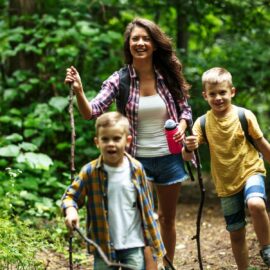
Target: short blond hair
216, 75
109, 119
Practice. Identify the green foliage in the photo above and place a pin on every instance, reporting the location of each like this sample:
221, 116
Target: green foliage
10, 194
19, 244
36, 49
22, 195
35, 129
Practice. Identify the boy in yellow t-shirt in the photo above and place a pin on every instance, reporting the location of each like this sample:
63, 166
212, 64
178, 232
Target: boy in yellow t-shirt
237, 169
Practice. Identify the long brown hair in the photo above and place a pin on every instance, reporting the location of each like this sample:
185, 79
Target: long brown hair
164, 57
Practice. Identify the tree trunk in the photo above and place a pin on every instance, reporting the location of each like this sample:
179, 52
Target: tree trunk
182, 27
17, 8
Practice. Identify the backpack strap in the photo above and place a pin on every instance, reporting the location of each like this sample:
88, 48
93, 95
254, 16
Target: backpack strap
124, 88
122, 99
244, 124
202, 124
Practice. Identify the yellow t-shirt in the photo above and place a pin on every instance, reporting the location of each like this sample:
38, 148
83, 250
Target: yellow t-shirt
233, 158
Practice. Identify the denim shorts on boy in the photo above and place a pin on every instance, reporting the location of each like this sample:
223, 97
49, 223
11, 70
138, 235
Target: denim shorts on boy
234, 206
165, 170
131, 256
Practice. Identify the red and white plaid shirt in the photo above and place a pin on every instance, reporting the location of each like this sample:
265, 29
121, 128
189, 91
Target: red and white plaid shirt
110, 90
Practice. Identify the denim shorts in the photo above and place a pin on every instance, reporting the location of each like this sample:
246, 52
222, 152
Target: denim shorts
165, 170
233, 207
130, 256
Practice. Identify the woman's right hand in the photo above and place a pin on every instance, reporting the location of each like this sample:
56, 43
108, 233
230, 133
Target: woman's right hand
73, 78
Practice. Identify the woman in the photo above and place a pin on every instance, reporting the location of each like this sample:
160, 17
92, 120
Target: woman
156, 85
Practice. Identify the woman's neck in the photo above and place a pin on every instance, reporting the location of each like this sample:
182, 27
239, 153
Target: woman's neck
144, 68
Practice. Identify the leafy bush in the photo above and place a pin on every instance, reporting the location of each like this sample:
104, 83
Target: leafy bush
19, 244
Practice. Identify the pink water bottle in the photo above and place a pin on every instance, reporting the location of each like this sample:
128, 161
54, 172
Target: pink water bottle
170, 129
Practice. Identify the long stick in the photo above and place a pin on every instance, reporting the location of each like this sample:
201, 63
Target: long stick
199, 214
73, 134
72, 156
169, 262
101, 253
70, 252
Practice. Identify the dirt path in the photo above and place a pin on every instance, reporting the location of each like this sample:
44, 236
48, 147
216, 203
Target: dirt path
215, 245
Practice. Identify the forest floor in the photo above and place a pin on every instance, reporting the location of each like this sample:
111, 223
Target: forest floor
215, 244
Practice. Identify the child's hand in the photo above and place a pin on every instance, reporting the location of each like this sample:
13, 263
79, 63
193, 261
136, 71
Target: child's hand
72, 218
191, 142
150, 263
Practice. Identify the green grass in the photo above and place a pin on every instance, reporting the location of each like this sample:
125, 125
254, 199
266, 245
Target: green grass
19, 244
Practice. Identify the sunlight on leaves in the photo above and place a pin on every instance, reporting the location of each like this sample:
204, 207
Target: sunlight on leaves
9, 151
28, 146
36, 161
59, 103
15, 137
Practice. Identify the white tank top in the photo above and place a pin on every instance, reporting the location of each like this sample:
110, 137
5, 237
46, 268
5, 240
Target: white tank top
151, 140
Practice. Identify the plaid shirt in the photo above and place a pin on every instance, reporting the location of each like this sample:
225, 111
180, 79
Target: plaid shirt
92, 183
110, 90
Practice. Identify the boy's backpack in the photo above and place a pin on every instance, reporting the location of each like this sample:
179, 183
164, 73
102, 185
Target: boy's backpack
242, 119
124, 88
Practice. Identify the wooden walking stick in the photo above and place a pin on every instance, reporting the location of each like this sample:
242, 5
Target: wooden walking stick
73, 134
72, 163
102, 254
199, 214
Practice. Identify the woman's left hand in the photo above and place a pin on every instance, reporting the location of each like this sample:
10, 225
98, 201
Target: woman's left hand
180, 134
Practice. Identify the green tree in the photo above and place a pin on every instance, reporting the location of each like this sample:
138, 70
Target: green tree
39, 40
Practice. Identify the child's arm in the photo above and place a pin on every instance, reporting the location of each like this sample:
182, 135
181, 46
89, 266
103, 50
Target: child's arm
72, 218
74, 198
150, 263
264, 147
191, 143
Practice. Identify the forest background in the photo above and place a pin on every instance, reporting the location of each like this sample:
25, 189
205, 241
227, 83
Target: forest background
40, 39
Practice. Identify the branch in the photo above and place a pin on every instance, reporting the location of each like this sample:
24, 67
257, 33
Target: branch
73, 134
101, 253
199, 214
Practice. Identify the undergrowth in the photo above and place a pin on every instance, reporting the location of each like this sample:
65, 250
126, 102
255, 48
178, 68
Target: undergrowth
19, 244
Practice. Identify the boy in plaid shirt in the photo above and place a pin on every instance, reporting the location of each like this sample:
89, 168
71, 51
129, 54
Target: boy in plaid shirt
119, 201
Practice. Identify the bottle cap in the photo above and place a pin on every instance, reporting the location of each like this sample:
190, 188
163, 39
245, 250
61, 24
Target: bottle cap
170, 124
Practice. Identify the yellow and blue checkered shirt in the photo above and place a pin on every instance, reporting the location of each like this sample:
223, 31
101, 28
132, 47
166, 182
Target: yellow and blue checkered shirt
92, 183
